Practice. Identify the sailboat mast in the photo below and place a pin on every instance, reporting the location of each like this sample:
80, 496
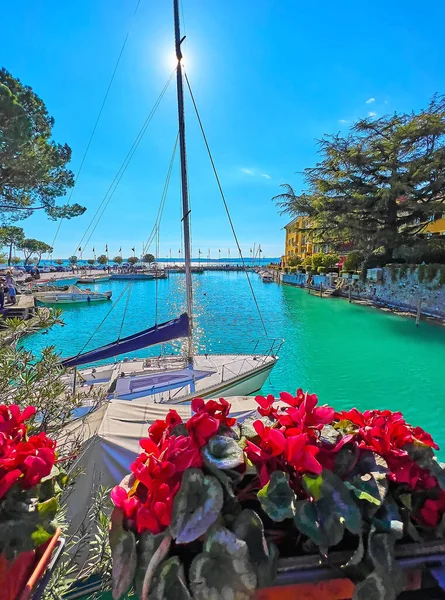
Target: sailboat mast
184, 179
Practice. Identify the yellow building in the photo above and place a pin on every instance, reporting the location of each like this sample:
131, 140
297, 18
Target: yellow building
297, 241
436, 227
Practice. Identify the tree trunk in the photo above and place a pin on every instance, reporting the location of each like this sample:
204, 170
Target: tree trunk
10, 254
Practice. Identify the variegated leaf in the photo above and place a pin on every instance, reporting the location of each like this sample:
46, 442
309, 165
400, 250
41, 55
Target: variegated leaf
196, 506
277, 498
169, 582
223, 570
223, 452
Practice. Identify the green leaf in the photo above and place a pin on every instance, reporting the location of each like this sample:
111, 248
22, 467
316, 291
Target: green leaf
146, 547
47, 510
340, 501
161, 552
381, 553
313, 484
369, 481
41, 535
196, 506
249, 527
277, 499
319, 523
169, 582
388, 519
123, 554
180, 429
223, 452
345, 460
223, 570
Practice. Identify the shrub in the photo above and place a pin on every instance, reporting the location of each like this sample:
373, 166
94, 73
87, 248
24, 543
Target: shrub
292, 270
353, 260
403, 270
393, 271
317, 259
294, 261
322, 270
431, 272
330, 260
421, 273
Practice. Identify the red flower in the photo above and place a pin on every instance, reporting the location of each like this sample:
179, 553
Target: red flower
301, 455
128, 505
8, 480
433, 510
202, 426
266, 406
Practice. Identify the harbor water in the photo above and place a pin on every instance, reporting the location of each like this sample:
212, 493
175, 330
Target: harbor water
349, 355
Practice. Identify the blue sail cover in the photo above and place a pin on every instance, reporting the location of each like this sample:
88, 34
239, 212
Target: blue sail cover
164, 332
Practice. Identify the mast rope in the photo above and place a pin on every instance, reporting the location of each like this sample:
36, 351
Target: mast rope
76, 179
103, 320
121, 171
125, 311
226, 207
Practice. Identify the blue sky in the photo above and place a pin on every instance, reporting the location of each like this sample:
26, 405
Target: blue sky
269, 77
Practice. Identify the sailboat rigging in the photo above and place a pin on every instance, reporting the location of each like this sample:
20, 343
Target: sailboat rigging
168, 378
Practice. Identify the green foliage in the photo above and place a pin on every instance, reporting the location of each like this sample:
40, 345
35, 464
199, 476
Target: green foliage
330, 260
34, 172
196, 506
11, 236
277, 499
30, 246
123, 552
223, 452
307, 262
293, 270
224, 563
354, 192
91, 261
73, 259
294, 261
421, 273
16, 260
59, 261
322, 270
393, 272
353, 260
102, 259
403, 270
133, 260
431, 272
118, 260
3, 257
317, 259
148, 258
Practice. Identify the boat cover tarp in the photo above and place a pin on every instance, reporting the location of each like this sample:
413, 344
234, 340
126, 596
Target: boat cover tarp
164, 332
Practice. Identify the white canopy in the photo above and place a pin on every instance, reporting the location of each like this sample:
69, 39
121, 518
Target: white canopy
110, 442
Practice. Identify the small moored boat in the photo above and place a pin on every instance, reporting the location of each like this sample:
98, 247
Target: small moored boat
73, 295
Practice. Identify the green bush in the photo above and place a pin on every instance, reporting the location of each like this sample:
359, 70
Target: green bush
393, 271
431, 272
293, 270
322, 270
330, 260
403, 270
353, 261
421, 273
317, 260
294, 261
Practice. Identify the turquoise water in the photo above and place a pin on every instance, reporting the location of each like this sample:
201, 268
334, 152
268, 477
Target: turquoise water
349, 355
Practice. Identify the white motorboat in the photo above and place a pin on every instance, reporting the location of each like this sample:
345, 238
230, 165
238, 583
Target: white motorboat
172, 379
95, 279
73, 295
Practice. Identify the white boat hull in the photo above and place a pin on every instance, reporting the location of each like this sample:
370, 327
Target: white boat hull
62, 298
170, 380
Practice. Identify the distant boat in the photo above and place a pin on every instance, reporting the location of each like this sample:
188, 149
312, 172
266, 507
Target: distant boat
73, 295
131, 276
98, 279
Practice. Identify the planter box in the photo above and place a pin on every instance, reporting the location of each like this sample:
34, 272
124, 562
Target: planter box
304, 578
20, 578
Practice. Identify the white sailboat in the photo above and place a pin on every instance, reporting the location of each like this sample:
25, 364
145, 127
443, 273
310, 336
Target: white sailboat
173, 379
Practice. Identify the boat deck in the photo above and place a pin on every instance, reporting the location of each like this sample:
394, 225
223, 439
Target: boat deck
171, 380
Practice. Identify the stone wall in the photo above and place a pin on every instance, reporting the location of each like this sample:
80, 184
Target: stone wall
402, 293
